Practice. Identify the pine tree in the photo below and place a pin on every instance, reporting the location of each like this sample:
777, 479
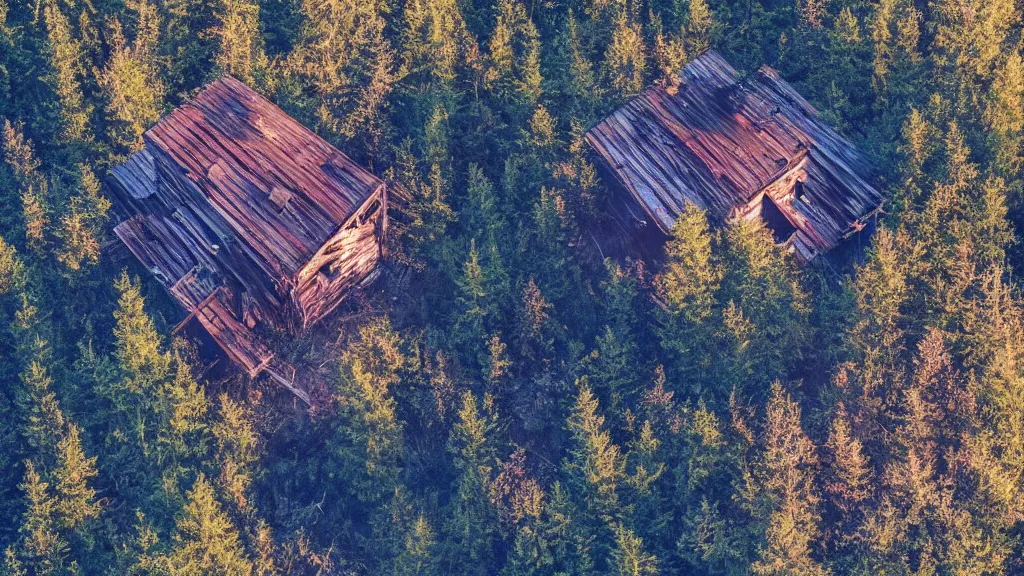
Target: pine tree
369, 445
423, 241
691, 276
130, 80
514, 67
482, 217
205, 540
771, 306
625, 61
812, 12
595, 467
239, 42
20, 156
417, 557
700, 27
669, 57
1003, 115
56, 450
185, 42
472, 526
436, 45
579, 78
783, 496
629, 557
42, 549
66, 75
342, 69
82, 225
238, 451
646, 479
848, 486
474, 311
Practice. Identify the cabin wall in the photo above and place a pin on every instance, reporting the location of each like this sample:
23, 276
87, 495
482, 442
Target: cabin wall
631, 226
341, 263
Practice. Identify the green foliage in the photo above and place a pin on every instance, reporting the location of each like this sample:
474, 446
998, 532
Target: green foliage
526, 399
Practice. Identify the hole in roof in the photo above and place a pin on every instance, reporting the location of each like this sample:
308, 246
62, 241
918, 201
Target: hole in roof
369, 212
776, 221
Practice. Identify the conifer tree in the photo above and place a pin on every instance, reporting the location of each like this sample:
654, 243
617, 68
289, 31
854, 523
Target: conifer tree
688, 284
205, 540
81, 227
1003, 115
514, 66
238, 451
595, 467
469, 322
342, 70
417, 557
579, 76
625, 61
699, 27
771, 306
239, 42
42, 549
67, 71
436, 47
369, 445
130, 80
630, 559
55, 451
472, 523
782, 494
35, 213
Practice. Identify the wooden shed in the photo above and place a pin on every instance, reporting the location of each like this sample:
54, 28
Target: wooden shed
252, 222
737, 148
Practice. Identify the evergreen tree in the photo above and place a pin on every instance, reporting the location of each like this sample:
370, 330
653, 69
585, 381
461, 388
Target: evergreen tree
238, 451
595, 468
625, 61
472, 527
205, 540
130, 80
629, 556
514, 68
369, 445
782, 494
81, 227
239, 42
42, 549
67, 71
688, 284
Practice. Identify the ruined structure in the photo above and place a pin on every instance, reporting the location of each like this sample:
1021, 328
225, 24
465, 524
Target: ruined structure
252, 222
736, 148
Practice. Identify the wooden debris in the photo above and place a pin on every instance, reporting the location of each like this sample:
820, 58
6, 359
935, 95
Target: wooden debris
250, 220
723, 144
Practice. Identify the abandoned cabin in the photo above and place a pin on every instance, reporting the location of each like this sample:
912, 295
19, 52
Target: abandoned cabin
252, 222
736, 148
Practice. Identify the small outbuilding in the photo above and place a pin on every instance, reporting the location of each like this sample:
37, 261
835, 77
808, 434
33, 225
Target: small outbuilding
737, 148
252, 222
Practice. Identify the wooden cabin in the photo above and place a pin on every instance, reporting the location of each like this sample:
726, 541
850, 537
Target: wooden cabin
252, 222
737, 148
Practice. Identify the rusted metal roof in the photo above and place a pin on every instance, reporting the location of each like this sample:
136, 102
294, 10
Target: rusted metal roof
246, 156
717, 141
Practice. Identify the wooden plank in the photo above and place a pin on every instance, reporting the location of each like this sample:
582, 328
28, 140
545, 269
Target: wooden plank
717, 141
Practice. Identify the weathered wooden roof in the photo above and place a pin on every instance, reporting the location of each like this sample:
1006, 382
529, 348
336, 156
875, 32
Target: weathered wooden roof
281, 188
717, 140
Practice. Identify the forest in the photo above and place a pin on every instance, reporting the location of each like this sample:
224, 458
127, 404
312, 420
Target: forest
515, 403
